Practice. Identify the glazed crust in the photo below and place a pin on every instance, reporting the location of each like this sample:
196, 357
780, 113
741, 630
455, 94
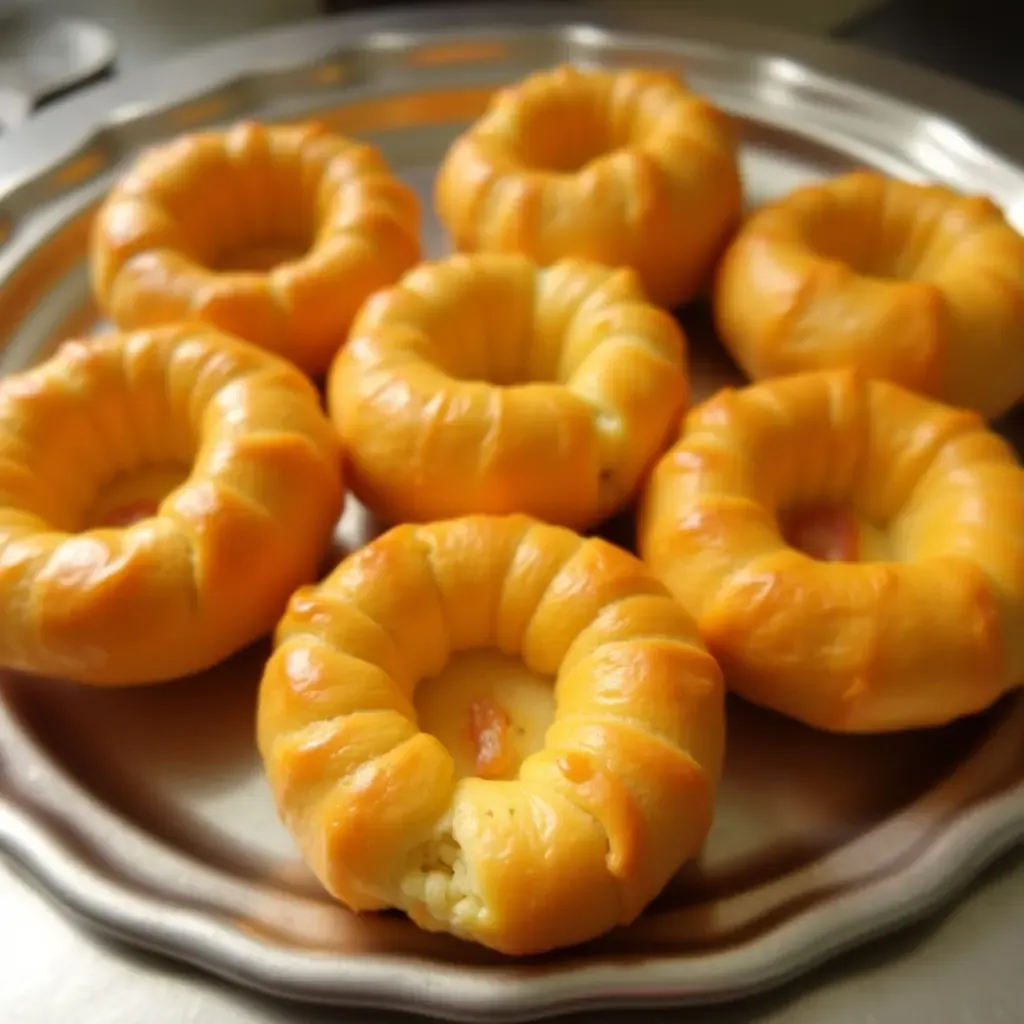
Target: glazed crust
595, 824
166, 237
620, 167
213, 568
910, 283
484, 384
927, 635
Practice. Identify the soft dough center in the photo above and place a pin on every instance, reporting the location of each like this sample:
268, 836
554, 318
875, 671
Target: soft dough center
489, 710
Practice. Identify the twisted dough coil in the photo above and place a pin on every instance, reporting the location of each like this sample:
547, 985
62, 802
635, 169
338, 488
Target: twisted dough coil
484, 384
595, 823
910, 283
925, 631
620, 167
212, 567
276, 234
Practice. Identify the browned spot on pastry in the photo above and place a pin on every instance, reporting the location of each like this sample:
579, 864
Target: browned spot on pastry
489, 729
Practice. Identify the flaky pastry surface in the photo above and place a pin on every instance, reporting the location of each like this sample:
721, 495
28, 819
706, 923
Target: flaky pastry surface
274, 233
624, 167
916, 634
903, 282
485, 384
593, 825
209, 566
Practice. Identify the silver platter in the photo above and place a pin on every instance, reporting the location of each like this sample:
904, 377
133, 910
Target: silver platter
145, 811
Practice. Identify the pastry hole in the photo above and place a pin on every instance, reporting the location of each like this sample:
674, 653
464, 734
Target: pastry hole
260, 257
871, 235
564, 130
133, 496
489, 710
833, 533
253, 237
479, 331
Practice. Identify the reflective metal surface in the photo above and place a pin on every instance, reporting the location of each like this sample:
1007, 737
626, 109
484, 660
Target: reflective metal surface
145, 811
42, 57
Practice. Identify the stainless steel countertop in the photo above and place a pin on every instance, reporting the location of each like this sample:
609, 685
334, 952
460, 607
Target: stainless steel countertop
961, 969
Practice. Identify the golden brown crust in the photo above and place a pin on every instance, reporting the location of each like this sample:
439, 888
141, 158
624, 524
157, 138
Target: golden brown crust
594, 824
619, 167
927, 634
484, 384
212, 568
320, 220
910, 283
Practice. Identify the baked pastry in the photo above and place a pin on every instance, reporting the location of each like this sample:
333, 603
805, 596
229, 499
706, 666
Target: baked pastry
276, 234
910, 283
904, 609
162, 493
482, 383
524, 835
621, 167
